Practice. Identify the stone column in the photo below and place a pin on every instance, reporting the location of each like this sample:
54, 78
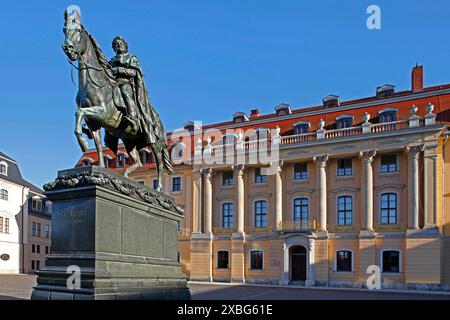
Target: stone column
240, 199
197, 202
367, 189
413, 186
278, 192
430, 171
321, 163
208, 175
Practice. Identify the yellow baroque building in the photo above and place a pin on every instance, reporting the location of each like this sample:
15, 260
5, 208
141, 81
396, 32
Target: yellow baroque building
349, 188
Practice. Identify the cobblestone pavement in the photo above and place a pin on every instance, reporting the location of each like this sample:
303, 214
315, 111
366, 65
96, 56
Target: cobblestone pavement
13, 287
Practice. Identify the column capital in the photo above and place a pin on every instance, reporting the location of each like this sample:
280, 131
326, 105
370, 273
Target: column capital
239, 169
277, 165
367, 156
414, 151
208, 173
321, 160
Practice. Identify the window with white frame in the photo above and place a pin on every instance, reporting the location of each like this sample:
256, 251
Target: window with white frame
227, 215
388, 207
120, 160
36, 204
388, 116
3, 168
391, 261
344, 261
261, 214
34, 228
301, 127
4, 225
223, 259
256, 260
388, 163
345, 210
344, 122
344, 167
4, 194
301, 210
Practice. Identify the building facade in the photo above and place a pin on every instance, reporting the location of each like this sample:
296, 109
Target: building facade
316, 196
25, 221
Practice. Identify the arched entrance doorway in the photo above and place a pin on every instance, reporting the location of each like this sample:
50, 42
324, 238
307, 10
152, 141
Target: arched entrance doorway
298, 263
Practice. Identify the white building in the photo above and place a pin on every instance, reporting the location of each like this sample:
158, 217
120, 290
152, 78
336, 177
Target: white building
23, 212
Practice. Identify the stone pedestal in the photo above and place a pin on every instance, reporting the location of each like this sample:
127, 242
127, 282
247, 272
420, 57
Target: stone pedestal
112, 239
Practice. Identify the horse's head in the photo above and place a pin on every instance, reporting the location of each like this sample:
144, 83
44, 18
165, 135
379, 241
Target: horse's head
74, 43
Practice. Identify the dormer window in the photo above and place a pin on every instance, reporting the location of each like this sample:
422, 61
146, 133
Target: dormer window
121, 160
262, 133
388, 115
385, 91
190, 126
331, 101
36, 204
228, 139
143, 155
4, 168
86, 162
301, 127
239, 117
344, 121
106, 160
283, 109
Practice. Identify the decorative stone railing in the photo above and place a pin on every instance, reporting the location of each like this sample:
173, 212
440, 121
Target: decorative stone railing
297, 226
343, 228
366, 128
249, 229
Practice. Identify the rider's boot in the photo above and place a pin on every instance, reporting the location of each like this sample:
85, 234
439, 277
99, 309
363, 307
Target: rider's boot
133, 124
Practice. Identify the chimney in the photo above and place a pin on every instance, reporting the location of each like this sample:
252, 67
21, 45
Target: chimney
254, 113
417, 78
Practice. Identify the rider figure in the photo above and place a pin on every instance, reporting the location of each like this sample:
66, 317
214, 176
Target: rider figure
125, 67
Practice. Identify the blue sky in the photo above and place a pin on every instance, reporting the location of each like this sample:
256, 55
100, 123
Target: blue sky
204, 60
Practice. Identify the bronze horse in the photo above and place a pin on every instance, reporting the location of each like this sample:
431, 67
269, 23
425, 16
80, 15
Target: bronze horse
98, 99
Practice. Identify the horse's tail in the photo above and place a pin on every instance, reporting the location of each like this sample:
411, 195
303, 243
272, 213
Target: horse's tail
167, 161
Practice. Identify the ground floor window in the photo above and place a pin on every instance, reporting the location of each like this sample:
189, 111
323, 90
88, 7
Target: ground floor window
391, 261
256, 260
222, 259
344, 261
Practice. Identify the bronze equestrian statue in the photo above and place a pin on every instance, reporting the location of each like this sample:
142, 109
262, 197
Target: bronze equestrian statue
113, 96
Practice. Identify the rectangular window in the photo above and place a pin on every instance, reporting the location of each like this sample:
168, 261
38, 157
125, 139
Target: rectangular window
222, 260
391, 261
38, 230
345, 211
38, 265
155, 184
227, 178
6, 225
176, 184
256, 260
227, 215
1, 224
300, 171
346, 122
4, 194
38, 249
36, 205
389, 208
120, 161
34, 229
260, 178
301, 210
301, 128
388, 163
344, 261
345, 167
33, 248
46, 250
47, 231
33, 265
261, 214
